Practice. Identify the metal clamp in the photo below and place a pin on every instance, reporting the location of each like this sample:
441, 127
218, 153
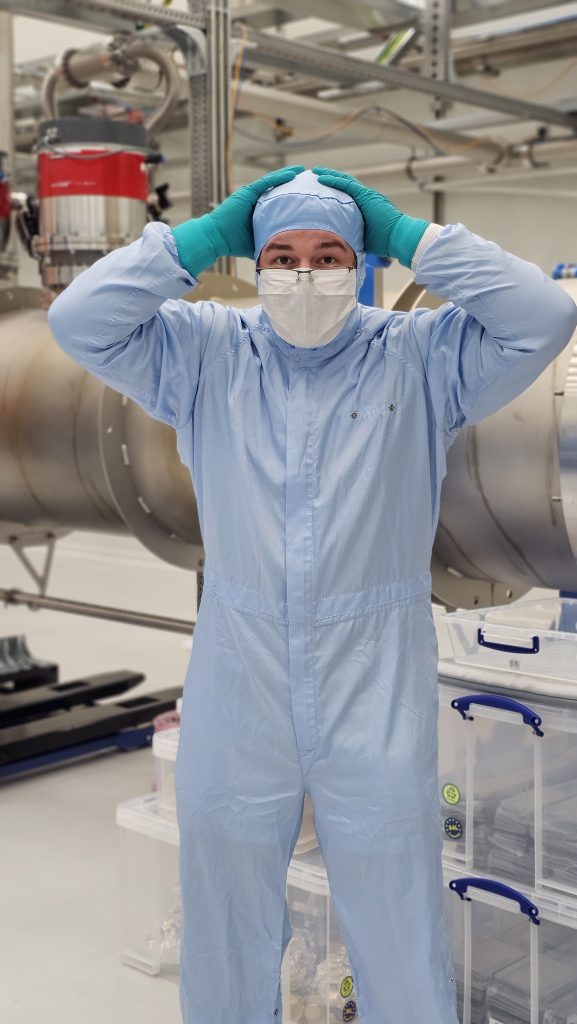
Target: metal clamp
411, 174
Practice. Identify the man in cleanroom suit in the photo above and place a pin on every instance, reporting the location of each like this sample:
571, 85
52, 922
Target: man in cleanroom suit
315, 430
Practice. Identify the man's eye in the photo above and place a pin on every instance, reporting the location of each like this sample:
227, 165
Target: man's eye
328, 261
283, 260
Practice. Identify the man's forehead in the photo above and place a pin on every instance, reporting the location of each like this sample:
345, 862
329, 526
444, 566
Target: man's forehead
310, 237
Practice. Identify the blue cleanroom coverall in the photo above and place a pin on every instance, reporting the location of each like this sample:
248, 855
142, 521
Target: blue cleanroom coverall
317, 473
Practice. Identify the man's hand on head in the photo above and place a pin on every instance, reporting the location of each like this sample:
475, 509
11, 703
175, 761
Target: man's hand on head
388, 232
227, 230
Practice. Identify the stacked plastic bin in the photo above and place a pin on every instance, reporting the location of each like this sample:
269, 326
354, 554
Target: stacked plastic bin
316, 979
317, 984
508, 789
508, 797
150, 870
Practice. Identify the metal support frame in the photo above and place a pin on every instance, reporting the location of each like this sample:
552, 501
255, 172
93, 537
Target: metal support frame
107, 15
8, 256
192, 43
6, 71
18, 544
271, 51
96, 611
435, 25
219, 91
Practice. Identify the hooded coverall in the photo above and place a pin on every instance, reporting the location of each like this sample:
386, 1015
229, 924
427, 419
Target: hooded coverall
317, 474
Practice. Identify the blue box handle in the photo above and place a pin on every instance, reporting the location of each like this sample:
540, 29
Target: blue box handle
460, 886
489, 700
509, 648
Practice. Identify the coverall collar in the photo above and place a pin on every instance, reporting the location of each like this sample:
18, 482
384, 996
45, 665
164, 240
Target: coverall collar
321, 354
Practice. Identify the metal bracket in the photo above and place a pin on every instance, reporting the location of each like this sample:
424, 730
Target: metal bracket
419, 182
492, 167
193, 46
40, 578
530, 155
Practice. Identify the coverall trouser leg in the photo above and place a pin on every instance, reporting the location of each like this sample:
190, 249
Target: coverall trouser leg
240, 794
372, 776
388, 895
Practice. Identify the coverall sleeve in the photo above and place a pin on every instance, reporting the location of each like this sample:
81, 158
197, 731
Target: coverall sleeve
506, 322
123, 320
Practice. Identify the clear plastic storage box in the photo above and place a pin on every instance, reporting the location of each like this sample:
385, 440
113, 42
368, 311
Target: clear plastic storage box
317, 984
515, 961
508, 786
316, 979
164, 748
150, 886
532, 637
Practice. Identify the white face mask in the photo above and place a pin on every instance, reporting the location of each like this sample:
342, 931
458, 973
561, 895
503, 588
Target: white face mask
307, 307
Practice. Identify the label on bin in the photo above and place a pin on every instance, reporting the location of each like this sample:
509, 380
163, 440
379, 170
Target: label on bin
349, 1010
347, 986
451, 793
453, 828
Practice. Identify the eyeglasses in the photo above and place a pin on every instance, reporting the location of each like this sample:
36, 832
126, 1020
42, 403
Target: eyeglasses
319, 270
285, 281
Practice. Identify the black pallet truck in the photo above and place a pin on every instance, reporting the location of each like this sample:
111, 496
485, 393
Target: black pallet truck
44, 722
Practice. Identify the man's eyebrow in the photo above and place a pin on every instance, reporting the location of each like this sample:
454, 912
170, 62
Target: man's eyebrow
337, 244
277, 245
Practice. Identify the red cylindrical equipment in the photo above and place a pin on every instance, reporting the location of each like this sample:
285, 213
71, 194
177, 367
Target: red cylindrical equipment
92, 192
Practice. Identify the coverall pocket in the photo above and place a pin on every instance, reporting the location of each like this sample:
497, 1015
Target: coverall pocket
368, 410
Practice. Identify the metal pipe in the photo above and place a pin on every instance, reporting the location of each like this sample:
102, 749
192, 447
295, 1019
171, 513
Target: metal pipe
521, 153
158, 117
78, 68
76, 454
97, 611
48, 93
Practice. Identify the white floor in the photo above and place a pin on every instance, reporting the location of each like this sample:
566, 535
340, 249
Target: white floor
60, 894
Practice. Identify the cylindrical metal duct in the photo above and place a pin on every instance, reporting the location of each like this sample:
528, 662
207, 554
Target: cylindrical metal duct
509, 500
75, 454
92, 192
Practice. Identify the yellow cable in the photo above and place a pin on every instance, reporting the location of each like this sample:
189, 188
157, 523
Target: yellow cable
437, 141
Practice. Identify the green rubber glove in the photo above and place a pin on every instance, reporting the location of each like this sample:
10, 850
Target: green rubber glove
388, 232
226, 231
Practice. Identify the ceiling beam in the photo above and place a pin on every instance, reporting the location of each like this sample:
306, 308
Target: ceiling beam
272, 51
106, 15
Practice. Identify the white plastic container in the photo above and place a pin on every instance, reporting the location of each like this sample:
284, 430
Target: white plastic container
164, 748
508, 968
150, 886
317, 984
532, 637
316, 978
508, 785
